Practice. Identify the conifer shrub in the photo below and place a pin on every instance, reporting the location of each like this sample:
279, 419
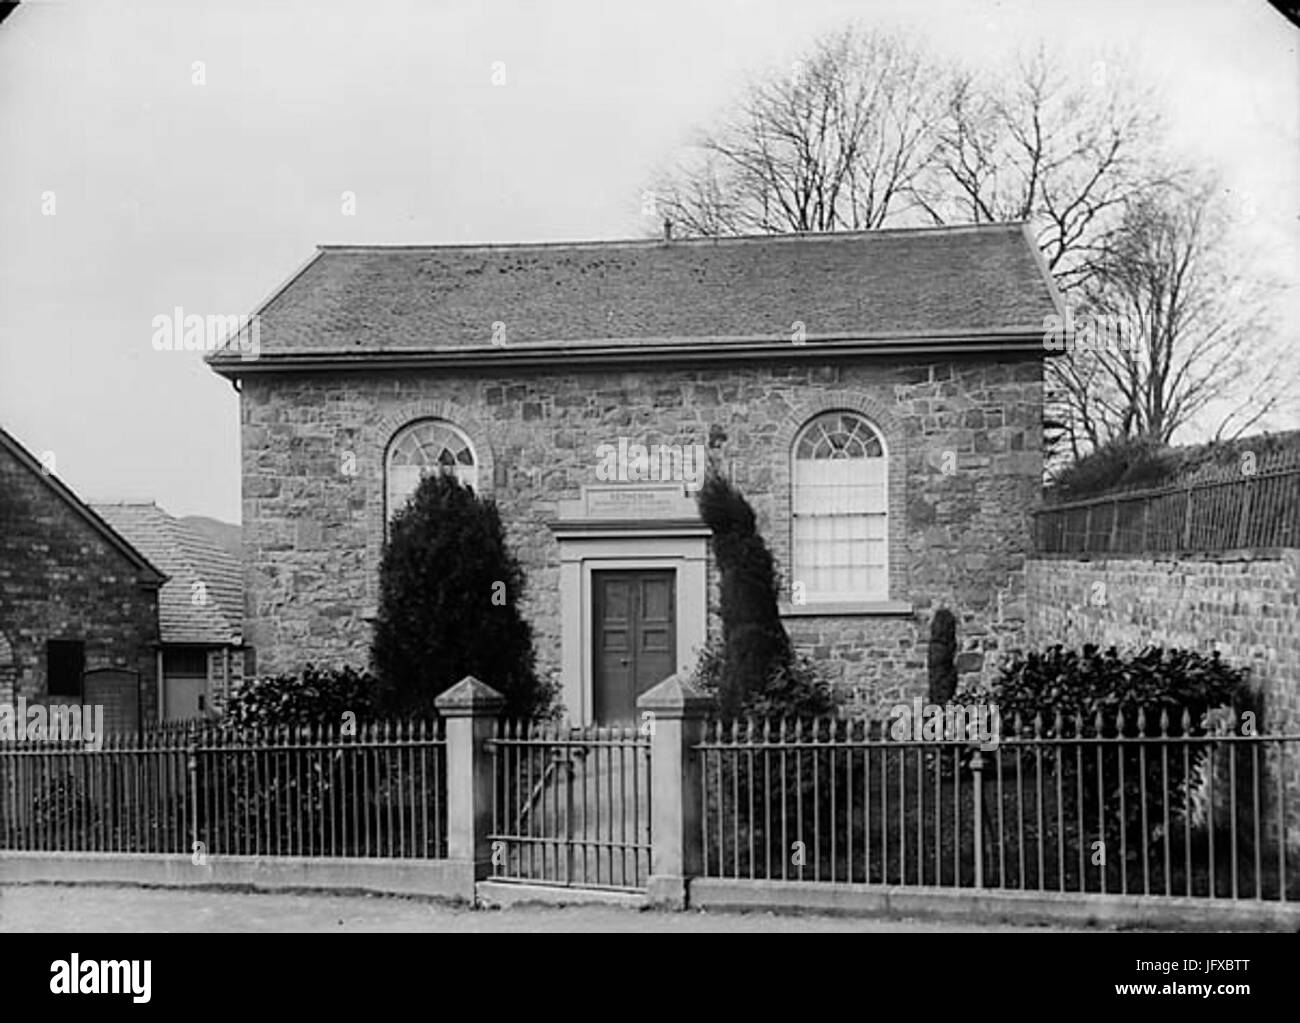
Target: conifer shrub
754, 669
449, 593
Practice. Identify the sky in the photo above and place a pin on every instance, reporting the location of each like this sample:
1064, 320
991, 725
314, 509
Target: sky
193, 154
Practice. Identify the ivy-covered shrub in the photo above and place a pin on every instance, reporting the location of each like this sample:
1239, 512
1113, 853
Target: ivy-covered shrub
1083, 682
798, 688
1129, 796
1126, 463
61, 806
1139, 463
314, 696
310, 761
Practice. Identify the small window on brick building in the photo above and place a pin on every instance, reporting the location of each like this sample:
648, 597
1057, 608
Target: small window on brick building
65, 663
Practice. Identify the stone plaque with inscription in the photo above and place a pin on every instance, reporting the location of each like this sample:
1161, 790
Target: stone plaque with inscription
637, 501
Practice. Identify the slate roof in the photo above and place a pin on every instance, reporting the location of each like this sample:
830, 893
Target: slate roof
909, 283
187, 556
149, 573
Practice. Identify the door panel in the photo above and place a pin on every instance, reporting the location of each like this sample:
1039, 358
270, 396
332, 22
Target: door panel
635, 640
186, 698
657, 646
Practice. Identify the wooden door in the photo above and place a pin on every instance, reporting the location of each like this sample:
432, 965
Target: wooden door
635, 636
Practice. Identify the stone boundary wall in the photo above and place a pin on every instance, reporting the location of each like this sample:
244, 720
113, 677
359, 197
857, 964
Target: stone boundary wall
1245, 607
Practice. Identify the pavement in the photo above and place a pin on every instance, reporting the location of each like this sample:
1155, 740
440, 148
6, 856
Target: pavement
94, 908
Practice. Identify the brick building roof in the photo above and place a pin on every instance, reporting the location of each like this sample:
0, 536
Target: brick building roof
188, 557
961, 283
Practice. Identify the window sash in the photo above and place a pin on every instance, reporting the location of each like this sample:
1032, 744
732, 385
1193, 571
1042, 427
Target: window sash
841, 529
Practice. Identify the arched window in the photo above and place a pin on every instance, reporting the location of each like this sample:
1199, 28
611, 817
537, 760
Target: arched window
429, 445
840, 503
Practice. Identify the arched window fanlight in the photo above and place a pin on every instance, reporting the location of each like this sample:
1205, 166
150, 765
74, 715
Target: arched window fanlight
430, 445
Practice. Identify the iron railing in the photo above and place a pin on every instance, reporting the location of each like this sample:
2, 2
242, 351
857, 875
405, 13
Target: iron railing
1132, 804
571, 805
1240, 512
378, 792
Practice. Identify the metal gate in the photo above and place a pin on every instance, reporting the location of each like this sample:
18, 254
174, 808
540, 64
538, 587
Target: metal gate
571, 805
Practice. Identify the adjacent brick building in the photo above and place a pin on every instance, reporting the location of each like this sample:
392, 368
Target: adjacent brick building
877, 396
78, 603
200, 609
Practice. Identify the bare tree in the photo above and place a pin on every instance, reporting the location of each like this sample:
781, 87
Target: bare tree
1063, 156
837, 144
868, 132
1184, 334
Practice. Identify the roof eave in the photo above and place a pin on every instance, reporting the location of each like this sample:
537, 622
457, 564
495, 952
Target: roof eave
531, 356
232, 344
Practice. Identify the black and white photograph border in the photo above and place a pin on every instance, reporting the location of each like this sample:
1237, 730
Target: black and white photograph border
577, 467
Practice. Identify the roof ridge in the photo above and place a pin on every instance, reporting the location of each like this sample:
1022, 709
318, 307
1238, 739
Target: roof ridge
693, 241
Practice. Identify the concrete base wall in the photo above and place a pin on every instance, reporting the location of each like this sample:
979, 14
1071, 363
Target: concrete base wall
1057, 908
436, 878
452, 879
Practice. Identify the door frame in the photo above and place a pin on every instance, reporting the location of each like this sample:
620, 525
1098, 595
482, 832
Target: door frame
684, 551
